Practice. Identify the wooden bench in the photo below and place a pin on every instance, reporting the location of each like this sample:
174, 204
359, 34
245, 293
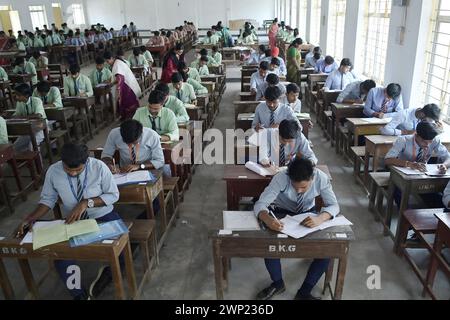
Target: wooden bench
357, 155
171, 195
379, 183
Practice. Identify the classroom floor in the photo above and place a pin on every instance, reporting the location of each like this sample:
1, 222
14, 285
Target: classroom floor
186, 267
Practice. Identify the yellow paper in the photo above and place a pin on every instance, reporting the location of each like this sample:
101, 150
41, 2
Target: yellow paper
81, 227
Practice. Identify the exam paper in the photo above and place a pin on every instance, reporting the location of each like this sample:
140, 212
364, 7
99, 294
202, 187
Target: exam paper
377, 120
293, 228
259, 169
432, 171
240, 221
133, 177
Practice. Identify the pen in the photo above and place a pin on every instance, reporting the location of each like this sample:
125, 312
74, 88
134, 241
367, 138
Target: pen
114, 163
271, 213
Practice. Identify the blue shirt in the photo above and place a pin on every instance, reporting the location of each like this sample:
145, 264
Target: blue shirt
351, 92
375, 100
403, 120
99, 183
263, 113
321, 67
339, 81
281, 193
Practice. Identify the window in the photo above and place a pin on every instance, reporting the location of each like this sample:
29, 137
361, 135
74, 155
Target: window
303, 11
78, 14
436, 82
293, 13
56, 5
314, 35
38, 16
375, 34
336, 26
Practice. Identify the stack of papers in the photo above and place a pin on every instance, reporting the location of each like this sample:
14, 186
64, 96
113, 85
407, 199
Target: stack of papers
45, 233
259, 169
136, 177
432, 171
293, 228
107, 230
377, 120
240, 221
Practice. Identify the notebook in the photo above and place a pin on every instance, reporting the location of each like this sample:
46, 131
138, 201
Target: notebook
107, 230
133, 178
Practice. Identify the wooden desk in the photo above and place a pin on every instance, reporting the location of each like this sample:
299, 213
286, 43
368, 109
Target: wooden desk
7, 156
82, 106
359, 127
76, 50
103, 92
263, 244
244, 107
242, 182
408, 185
341, 112
98, 252
6, 95
15, 78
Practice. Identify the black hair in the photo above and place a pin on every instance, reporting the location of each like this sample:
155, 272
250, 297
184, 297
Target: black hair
214, 48
107, 55
292, 87
131, 130
181, 66
368, 85
43, 86
346, 63
264, 65
432, 111
36, 54
73, 155
99, 60
136, 51
317, 55
300, 170
394, 90
162, 87
156, 33
275, 61
204, 58
19, 61
272, 79
268, 52
177, 77
203, 52
23, 89
156, 97
179, 46
120, 52
74, 68
143, 48
262, 48
289, 129
272, 93
209, 34
427, 130
329, 60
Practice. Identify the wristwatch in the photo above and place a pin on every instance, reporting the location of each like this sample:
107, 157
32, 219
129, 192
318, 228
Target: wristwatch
90, 203
142, 166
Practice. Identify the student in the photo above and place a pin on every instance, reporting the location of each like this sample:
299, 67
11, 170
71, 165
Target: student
100, 74
293, 192
272, 80
86, 189
216, 55
77, 84
270, 113
3, 131
50, 96
162, 120
199, 89
192, 73
210, 39
284, 144
173, 103
156, 40
121, 56
257, 57
274, 67
17, 45
356, 92
313, 57
137, 60
211, 61
3, 74
384, 101
415, 151
326, 66
39, 61
147, 55
257, 79
203, 66
124, 31
35, 41
247, 38
25, 67
405, 122
28, 107
340, 78
292, 98
275, 52
183, 91
139, 148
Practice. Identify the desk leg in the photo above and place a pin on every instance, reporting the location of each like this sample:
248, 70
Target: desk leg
5, 283
117, 276
162, 209
230, 204
337, 123
218, 272
129, 269
433, 266
376, 159
15, 169
356, 137
366, 167
403, 207
342, 266
28, 277
389, 210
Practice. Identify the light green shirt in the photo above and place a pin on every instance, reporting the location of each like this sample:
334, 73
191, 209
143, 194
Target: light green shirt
41, 63
28, 69
198, 88
21, 46
83, 84
185, 94
32, 106
98, 77
52, 97
217, 57
177, 106
193, 74
3, 132
165, 122
138, 61
148, 56
211, 40
36, 43
203, 70
3, 74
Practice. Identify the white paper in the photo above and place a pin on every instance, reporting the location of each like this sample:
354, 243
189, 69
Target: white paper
39, 224
409, 172
294, 229
240, 221
259, 169
2, 238
108, 241
377, 120
341, 236
433, 171
132, 177
225, 232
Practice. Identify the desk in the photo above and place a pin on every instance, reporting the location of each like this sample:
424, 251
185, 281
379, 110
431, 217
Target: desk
408, 185
76, 50
82, 106
103, 91
157, 51
360, 127
266, 244
342, 111
242, 182
20, 78
109, 253
6, 95
7, 156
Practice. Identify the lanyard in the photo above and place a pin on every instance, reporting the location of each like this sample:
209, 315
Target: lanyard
30, 100
84, 183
